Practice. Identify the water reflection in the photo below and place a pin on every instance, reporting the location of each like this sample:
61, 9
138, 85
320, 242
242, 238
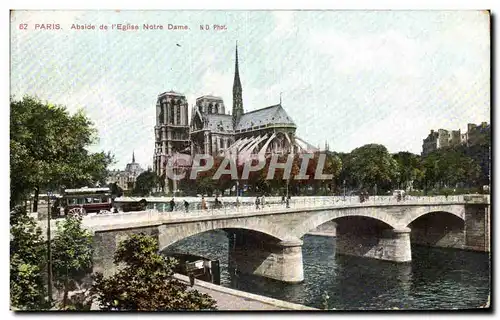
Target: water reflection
435, 279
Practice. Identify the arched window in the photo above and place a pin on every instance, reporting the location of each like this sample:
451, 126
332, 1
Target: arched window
160, 116
171, 112
178, 113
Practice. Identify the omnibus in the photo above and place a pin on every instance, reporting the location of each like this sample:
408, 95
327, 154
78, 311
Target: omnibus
84, 200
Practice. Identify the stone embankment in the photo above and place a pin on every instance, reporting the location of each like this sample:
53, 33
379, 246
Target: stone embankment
230, 299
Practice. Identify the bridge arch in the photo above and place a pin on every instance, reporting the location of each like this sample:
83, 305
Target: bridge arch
328, 215
171, 233
417, 212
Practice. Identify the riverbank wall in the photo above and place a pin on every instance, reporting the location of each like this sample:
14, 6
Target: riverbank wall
234, 300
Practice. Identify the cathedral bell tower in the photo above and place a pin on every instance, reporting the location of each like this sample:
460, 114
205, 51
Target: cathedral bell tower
237, 93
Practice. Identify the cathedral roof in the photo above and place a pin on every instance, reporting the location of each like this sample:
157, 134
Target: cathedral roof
270, 115
209, 97
133, 167
171, 93
219, 122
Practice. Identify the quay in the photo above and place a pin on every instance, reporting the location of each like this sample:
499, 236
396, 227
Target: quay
235, 300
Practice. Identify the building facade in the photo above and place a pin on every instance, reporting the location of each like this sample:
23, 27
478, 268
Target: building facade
213, 130
478, 134
441, 139
475, 135
125, 179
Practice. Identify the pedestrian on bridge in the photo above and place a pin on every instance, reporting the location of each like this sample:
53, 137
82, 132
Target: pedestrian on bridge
186, 205
263, 201
257, 203
203, 203
217, 202
172, 205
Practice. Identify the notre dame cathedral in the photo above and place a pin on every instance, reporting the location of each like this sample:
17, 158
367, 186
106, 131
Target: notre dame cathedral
212, 130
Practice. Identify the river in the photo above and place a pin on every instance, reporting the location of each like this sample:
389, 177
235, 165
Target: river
435, 279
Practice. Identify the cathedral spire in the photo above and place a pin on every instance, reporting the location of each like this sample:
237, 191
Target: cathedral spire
133, 157
237, 92
236, 69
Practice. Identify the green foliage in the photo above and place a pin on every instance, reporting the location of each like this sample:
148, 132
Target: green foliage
27, 262
71, 255
145, 183
372, 165
116, 191
409, 169
144, 282
48, 149
449, 167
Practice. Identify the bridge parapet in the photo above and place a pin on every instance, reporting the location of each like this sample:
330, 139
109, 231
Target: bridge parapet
161, 203
309, 206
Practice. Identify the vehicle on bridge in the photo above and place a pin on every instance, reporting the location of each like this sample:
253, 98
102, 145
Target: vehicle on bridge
127, 204
83, 201
399, 194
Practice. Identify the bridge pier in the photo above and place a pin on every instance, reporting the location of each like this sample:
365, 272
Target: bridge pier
270, 258
477, 227
389, 244
106, 243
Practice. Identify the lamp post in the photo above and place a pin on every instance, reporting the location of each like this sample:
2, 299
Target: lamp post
49, 254
287, 181
344, 189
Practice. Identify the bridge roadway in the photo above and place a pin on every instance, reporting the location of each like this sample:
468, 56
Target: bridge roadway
267, 241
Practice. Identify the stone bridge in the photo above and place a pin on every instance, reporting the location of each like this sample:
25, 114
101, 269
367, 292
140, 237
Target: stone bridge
267, 242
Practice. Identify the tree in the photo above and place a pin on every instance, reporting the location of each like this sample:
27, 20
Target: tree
145, 183
71, 255
27, 262
371, 165
332, 165
448, 167
48, 149
409, 168
345, 178
145, 282
115, 189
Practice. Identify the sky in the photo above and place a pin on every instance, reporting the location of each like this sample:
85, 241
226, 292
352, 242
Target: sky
347, 77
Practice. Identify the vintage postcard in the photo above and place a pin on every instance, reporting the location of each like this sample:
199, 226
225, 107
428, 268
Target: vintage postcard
250, 160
